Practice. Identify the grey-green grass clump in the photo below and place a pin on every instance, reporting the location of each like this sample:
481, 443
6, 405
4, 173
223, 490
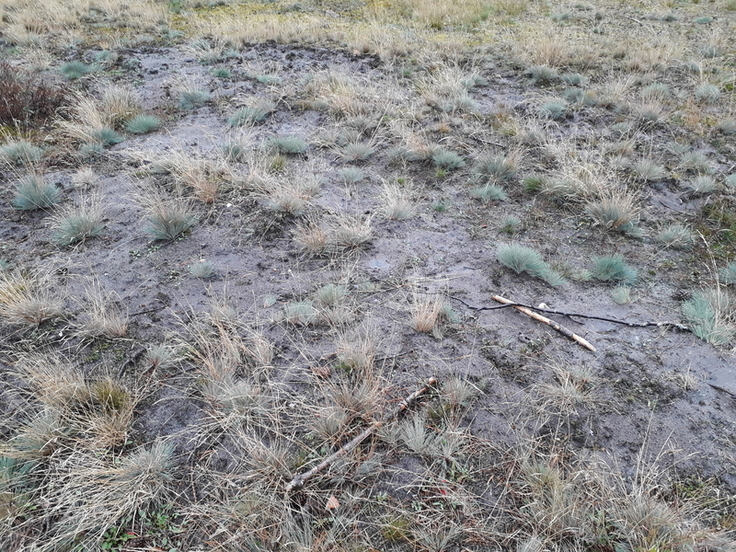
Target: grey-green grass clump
708, 93
488, 193
553, 110
677, 236
613, 268
77, 226
727, 126
447, 160
90, 151
358, 151
202, 270
495, 167
20, 152
192, 99
648, 171
169, 220
542, 75
352, 175
33, 192
727, 275
702, 185
301, 313
74, 70
520, 258
106, 136
707, 313
252, 114
291, 145
142, 124
234, 151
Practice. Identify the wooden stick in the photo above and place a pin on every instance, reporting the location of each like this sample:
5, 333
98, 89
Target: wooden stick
572, 315
299, 480
551, 323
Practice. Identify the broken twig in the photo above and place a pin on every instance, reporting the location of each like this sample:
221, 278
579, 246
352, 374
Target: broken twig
299, 480
543, 319
572, 315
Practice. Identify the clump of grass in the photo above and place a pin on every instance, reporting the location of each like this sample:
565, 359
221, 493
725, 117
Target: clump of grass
677, 236
613, 268
695, 161
33, 192
291, 145
543, 75
447, 160
730, 182
522, 259
614, 211
192, 99
20, 152
397, 202
488, 193
95, 493
553, 110
727, 275
103, 314
105, 136
142, 124
621, 295
535, 183
90, 152
234, 151
358, 151
648, 171
510, 225
301, 313
710, 315
702, 185
169, 219
349, 233
74, 70
77, 223
495, 167
202, 269
221, 73
427, 314
251, 115
352, 175
708, 93
656, 91
727, 126
28, 299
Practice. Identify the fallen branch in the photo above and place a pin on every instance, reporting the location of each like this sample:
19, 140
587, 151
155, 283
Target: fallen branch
544, 320
299, 480
572, 315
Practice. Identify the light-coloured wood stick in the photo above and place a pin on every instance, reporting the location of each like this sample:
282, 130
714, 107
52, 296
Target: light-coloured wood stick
299, 480
544, 320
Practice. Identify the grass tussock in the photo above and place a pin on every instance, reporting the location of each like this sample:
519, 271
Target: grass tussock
522, 259
29, 299
710, 315
34, 192
75, 224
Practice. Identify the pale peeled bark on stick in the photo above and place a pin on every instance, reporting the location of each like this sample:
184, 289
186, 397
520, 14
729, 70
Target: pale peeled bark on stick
543, 319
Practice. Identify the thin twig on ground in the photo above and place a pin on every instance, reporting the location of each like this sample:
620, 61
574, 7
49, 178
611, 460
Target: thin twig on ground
299, 480
544, 320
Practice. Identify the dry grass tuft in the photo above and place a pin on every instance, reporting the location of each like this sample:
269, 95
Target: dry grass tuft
29, 299
102, 314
